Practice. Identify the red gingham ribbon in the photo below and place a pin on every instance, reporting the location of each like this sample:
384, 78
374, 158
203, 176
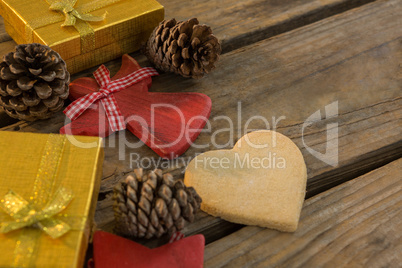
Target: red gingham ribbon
105, 95
176, 237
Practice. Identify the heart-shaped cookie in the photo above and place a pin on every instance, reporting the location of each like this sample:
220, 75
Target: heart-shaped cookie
261, 181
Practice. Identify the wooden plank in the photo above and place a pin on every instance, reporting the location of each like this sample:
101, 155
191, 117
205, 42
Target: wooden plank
352, 58
240, 23
356, 224
6, 43
352, 54
4, 37
235, 24
298, 73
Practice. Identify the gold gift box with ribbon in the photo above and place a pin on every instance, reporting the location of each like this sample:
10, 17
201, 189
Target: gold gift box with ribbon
85, 33
48, 193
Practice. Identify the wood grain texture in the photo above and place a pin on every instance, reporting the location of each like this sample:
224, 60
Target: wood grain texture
353, 58
235, 24
356, 224
6, 43
350, 58
240, 23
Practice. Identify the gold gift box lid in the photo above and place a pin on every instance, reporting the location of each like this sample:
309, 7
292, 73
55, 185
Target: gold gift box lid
125, 18
79, 170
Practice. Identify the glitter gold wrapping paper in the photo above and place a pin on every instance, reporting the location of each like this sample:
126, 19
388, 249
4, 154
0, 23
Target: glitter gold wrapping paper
127, 25
79, 170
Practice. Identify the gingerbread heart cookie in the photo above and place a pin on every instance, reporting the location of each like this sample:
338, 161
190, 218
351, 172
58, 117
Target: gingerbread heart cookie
261, 181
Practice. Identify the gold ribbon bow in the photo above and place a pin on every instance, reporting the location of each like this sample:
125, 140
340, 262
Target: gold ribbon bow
43, 209
77, 17
67, 8
25, 214
86, 32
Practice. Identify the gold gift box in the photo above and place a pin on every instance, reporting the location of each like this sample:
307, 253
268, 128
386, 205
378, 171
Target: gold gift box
127, 26
79, 169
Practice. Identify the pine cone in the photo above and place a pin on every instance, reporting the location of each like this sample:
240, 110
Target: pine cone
150, 205
184, 47
33, 82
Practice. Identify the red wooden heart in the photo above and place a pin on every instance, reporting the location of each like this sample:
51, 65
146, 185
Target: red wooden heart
114, 251
167, 122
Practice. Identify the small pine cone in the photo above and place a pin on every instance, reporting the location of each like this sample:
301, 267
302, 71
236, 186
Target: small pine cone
150, 205
33, 82
184, 47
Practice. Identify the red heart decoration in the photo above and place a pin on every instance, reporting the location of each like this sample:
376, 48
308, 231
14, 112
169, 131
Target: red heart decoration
114, 251
167, 122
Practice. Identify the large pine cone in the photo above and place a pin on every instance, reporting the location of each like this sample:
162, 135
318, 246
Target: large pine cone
33, 82
150, 205
184, 47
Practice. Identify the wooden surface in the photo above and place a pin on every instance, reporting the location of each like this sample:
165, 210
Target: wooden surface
240, 23
356, 224
283, 58
363, 114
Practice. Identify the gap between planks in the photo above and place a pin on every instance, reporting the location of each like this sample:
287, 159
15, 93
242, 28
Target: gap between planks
355, 224
290, 69
235, 24
238, 24
369, 117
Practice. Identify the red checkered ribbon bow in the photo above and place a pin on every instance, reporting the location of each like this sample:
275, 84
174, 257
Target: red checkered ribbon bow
176, 237
105, 95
